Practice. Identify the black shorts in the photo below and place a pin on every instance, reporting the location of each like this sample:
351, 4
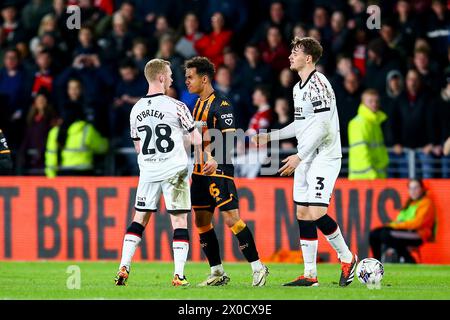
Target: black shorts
209, 192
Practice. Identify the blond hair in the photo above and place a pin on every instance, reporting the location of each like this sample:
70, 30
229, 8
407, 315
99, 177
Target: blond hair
370, 92
155, 67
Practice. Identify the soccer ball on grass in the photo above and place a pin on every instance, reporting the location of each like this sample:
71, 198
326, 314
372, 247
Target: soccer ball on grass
370, 272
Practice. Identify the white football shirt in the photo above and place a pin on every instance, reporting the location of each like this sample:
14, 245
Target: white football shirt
159, 123
316, 119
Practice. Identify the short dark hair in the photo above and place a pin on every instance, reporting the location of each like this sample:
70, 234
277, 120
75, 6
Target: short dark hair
127, 63
264, 89
309, 46
202, 65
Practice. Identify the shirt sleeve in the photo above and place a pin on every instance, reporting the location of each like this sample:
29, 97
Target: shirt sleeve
133, 128
224, 117
185, 118
321, 101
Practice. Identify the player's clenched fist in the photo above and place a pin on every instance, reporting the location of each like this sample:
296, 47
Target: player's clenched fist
291, 163
260, 139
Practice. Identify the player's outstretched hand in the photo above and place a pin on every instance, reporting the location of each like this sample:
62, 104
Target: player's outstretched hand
291, 163
260, 139
210, 167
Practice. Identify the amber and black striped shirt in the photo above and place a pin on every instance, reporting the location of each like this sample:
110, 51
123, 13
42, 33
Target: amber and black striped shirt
215, 112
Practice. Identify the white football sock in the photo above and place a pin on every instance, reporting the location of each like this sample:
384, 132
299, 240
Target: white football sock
130, 243
256, 265
180, 253
217, 270
338, 243
309, 252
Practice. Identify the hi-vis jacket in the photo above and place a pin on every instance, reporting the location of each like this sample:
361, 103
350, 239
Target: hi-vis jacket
83, 141
420, 216
368, 156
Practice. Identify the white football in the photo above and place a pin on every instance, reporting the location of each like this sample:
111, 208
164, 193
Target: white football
370, 271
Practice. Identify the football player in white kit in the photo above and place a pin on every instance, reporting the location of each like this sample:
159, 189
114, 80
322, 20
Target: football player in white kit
317, 163
158, 124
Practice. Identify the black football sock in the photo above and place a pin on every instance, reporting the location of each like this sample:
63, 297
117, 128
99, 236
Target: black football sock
210, 247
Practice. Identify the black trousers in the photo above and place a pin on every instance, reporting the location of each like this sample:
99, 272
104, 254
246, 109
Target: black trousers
384, 237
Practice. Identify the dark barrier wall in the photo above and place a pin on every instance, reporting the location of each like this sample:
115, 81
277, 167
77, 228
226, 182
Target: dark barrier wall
85, 218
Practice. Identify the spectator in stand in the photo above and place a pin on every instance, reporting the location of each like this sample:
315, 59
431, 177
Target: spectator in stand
48, 24
26, 59
129, 89
277, 18
414, 226
360, 51
358, 15
299, 31
324, 64
380, 62
43, 76
188, 36
239, 99
232, 10
263, 116
86, 42
71, 146
40, 119
348, 100
437, 29
414, 115
90, 14
118, 42
231, 60
11, 30
96, 81
428, 69
162, 28
393, 39
283, 118
321, 22
284, 86
212, 45
340, 35
15, 87
394, 88
73, 100
368, 157
408, 25
167, 52
32, 13
254, 70
127, 11
274, 51
59, 11
444, 115
139, 53
343, 67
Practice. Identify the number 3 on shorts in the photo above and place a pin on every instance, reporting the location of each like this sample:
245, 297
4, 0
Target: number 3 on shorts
320, 184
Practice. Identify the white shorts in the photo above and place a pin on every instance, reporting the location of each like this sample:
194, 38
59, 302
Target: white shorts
314, 182
176, 193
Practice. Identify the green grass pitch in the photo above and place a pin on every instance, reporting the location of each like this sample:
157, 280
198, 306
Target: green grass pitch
48, 280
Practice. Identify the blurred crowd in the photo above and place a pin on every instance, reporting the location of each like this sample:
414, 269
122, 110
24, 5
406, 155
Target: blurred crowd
48, 70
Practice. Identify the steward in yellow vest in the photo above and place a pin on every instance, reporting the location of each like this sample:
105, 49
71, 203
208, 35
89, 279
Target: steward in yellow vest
368, 156
76, 154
